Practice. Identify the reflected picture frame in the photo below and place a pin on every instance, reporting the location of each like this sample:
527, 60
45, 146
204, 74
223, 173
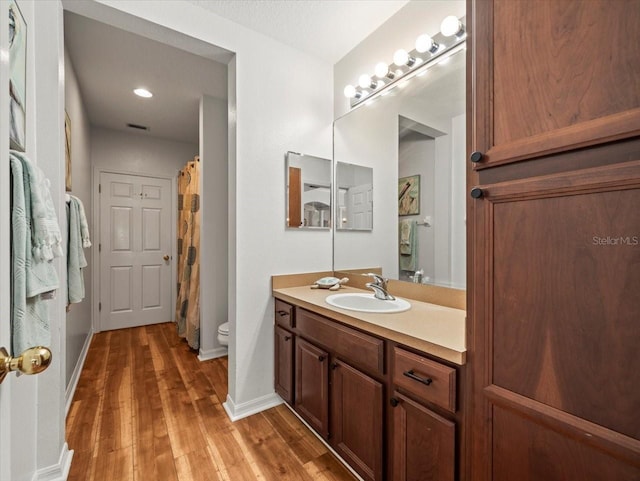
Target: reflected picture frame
409, 195
17, 78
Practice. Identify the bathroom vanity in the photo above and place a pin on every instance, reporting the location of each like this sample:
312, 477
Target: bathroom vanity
384, 391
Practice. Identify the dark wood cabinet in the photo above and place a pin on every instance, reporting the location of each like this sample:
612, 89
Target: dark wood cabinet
312, 385
283, 381
357, 419
343, 380
422, 443
554, 240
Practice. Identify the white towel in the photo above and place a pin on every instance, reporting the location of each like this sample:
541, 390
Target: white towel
76, 260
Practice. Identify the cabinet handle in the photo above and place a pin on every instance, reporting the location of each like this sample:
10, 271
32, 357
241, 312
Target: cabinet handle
476, 156
394, 402
321, 358
476, 192
282, 313
411, 374
286, 338
334, 366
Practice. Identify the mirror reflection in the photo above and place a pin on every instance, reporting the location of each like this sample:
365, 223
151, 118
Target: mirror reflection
414, 139
308, 188
354, 197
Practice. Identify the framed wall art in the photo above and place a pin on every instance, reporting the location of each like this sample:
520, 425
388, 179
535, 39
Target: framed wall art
409, 195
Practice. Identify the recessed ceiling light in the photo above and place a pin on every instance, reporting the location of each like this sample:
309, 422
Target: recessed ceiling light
143, 93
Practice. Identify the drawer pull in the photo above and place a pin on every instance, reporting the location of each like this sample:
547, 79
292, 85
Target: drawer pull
286, 338
334, 366
282, 313
394, 402
413, 376
321, 358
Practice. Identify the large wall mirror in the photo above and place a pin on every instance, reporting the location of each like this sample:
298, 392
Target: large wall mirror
308, 188
413, 139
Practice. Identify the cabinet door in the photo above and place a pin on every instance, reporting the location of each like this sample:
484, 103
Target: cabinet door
423, 443
284, 364
312, 386
356, 419
553, 76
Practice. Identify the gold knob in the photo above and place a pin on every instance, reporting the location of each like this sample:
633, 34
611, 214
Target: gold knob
32, 361
166, 257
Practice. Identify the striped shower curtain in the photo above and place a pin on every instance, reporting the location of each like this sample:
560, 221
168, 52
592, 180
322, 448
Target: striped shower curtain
188, 303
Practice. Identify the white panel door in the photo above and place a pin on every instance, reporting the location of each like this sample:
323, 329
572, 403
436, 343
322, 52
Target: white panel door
135, 238
360, 206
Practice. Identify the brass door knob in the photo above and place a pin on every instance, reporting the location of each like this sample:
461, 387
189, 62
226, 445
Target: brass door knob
32, 361
166, 257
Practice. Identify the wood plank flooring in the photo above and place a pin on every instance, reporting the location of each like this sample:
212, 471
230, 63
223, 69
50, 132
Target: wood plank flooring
146, 408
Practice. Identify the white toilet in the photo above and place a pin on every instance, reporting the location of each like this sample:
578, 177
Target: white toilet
223, 334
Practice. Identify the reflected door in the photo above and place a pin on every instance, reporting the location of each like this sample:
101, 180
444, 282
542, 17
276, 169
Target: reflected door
135, 238
360, 206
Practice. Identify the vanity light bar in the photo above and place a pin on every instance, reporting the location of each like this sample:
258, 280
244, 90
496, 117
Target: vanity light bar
429, 51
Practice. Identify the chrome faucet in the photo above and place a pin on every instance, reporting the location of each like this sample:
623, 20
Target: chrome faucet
379, 287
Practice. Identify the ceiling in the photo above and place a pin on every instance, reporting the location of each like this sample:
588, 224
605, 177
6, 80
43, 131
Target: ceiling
327, 29
110, 62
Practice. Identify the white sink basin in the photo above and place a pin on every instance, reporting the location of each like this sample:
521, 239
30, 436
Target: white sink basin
367, 303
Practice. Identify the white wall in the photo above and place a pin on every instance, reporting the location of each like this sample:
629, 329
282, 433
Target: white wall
400, 31
138, 153
283, 101
79, 317
214, 224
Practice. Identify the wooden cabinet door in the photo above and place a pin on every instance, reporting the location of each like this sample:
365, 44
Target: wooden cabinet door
284, 364
356, 419
422, 444
312, 386
554, 75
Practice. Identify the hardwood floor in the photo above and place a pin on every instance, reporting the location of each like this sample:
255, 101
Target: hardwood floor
146, 408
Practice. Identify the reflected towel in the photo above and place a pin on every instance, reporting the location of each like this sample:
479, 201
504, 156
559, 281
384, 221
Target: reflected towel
408, 241
29, 315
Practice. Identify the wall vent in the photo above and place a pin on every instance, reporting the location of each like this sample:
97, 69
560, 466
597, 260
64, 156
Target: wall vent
136, 126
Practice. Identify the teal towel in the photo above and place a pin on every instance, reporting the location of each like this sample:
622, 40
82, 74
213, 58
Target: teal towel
408, 241
30, 278
46, 237
76, 260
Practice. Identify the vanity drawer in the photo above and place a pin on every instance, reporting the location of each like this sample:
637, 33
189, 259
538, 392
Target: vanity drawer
284, 314
425, 379
351, 345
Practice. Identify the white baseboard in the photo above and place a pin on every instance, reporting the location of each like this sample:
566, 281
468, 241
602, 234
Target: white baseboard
57, 472
212, 353
75, 377
245, 409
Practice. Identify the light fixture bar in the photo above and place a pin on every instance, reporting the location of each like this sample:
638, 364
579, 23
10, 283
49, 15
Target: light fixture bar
415, 61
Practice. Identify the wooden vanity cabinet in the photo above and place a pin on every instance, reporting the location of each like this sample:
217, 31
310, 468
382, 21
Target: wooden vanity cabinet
351, 388
283, 348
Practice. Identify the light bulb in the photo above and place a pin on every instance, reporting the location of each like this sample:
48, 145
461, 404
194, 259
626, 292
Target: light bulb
451, 26
401, 57
381, 70
424, 43
142, 92
349, 91
364, 81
